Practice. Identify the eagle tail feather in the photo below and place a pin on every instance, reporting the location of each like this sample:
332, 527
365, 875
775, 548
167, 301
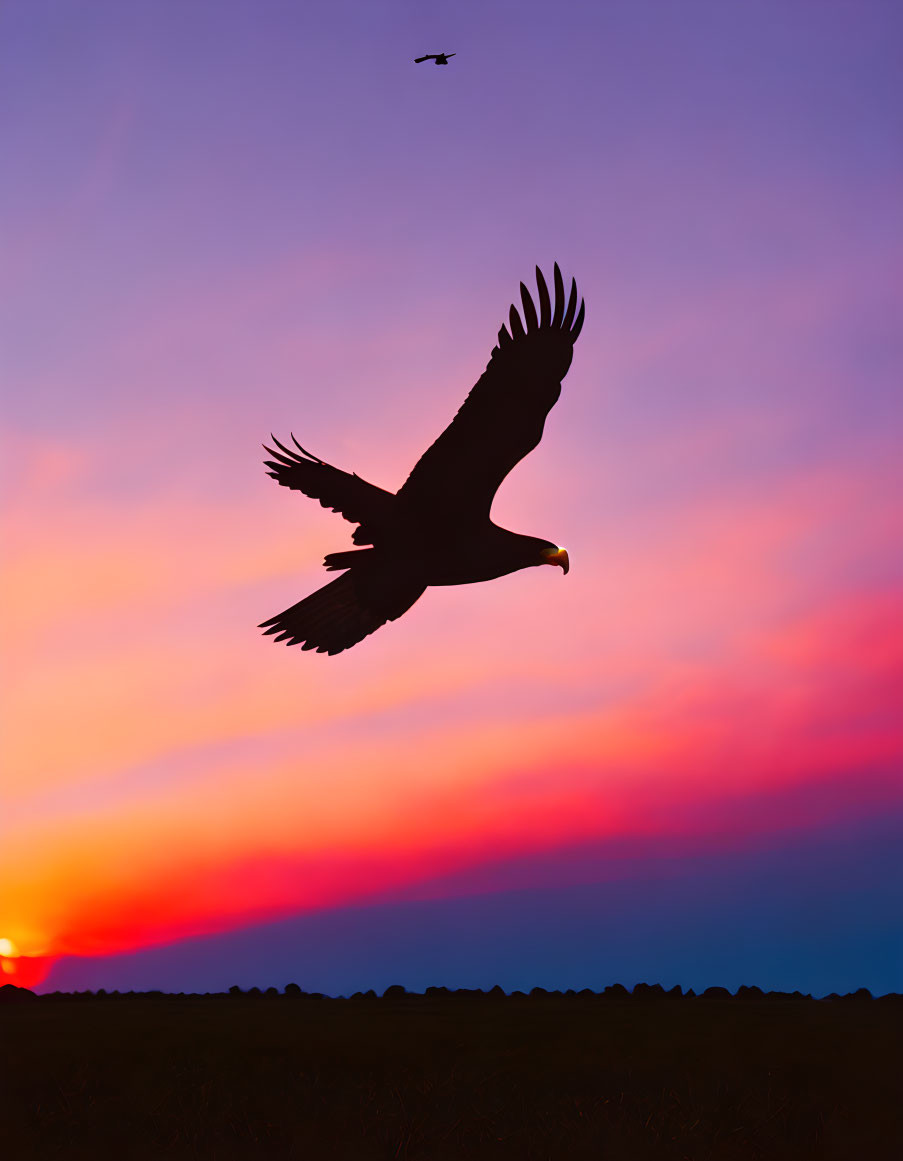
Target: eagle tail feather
335, 561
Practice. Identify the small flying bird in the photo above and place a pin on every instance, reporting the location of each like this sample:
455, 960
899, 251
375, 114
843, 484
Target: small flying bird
438, 57
436, 529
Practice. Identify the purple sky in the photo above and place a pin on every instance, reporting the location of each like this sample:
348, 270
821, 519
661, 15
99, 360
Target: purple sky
226, 219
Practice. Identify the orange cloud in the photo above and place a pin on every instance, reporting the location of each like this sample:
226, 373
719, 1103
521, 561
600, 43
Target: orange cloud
334, 823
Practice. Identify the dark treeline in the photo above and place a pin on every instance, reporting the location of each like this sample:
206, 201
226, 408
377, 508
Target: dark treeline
11, 993
443, 1075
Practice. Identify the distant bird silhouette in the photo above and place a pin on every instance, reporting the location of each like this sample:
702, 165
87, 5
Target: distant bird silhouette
438, 57
436, 530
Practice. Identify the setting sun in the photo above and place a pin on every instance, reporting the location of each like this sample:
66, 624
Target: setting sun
8, 949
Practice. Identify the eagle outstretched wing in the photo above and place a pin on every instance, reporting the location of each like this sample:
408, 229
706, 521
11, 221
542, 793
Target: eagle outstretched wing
347, 609
503, 416
357, 500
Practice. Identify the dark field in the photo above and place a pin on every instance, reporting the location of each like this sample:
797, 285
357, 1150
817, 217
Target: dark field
451, 1076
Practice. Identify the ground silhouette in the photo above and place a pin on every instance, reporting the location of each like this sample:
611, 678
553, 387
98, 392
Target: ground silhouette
436, 530
453, 1074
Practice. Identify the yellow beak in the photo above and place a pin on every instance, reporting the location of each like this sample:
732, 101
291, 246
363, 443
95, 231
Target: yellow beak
557, 556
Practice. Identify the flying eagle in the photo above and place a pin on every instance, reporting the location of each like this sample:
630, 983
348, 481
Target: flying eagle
436, 529
438, 57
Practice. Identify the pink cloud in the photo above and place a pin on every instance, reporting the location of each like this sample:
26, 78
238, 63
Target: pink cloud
333, 823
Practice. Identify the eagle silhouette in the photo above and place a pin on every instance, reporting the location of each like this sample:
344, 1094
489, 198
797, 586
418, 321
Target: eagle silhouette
439, 57
436, 529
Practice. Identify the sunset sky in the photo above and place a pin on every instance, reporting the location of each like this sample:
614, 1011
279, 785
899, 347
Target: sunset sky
681, 763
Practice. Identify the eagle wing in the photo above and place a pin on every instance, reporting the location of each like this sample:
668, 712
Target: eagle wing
503, 416
358, 501
347, 609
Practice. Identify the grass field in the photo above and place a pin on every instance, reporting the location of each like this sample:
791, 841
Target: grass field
452, 1076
